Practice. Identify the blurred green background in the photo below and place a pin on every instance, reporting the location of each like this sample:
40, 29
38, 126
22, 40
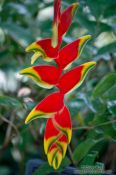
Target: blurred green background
92, 106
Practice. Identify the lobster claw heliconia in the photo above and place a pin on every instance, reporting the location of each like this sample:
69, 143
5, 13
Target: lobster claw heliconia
58, 131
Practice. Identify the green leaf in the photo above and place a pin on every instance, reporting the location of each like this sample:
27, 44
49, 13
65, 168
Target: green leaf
82, 149
104, 85
110, 131
105, 125
92, 26
46, 169
98, 7
111, 11
18, 33
109, 48
90, 158
112, 107
10, 102
110, 94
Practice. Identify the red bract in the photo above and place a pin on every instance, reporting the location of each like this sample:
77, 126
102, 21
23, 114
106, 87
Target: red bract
58, 130
45, 75
71, 51
74, 78
47, 107
66, 19
43, 48
57, 13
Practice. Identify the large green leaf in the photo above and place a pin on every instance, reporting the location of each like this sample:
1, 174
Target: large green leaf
90, 158
82, 149
104, 85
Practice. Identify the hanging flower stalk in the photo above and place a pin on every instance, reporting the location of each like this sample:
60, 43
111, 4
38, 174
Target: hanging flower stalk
58, 130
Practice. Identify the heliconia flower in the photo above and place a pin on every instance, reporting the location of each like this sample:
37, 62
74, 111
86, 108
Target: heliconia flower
57, 13
71, 51
43, 48
57, 136
66, 19
45, 76
74, 78
58, 131
47, 107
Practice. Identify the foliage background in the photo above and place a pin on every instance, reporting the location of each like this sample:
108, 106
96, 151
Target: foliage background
92, 106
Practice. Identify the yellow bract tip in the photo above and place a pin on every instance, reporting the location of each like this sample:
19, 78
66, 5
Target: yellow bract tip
31, 47
33, 115
87, 66
82, 42
91, 63
25, 71
74, 7
84, 38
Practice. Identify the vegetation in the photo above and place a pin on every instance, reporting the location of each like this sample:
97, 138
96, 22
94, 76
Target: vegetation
92, 106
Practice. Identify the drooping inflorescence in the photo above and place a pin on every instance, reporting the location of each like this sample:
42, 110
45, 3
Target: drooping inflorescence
58, 130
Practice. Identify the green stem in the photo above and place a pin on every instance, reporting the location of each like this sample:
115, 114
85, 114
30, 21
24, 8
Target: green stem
95, 126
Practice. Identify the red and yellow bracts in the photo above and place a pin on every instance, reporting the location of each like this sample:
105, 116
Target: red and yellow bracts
48, 48
57, 136
44, 75
58, 131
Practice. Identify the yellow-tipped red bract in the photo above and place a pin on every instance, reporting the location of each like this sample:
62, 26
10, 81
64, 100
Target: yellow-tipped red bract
74, 78
57, 136
43, 48
71, 51
66, 19
45, 76
57, 13
62, 20
47, 107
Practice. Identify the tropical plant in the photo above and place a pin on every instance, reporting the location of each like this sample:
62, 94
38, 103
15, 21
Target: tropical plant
92, 105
